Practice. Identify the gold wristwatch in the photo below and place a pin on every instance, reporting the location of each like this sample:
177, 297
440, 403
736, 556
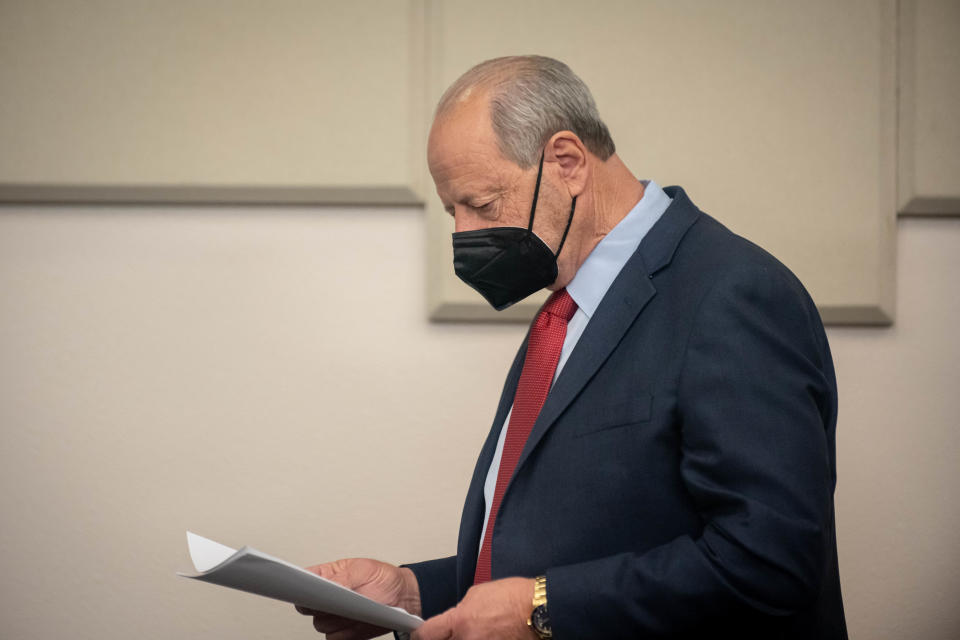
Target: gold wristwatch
539, 620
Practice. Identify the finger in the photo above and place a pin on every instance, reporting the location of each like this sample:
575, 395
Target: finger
337, 571
328, 623
305, 611
439, 627
360, 631
320, 569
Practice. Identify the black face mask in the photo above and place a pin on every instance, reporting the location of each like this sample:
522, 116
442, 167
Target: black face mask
507, 264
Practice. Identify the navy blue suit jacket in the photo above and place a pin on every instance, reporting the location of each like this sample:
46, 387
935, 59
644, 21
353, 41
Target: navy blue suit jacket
679, 479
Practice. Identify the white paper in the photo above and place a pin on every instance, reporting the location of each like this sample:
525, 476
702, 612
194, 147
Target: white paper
255, 572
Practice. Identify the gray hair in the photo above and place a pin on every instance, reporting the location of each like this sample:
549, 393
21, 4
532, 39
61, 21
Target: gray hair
532, 98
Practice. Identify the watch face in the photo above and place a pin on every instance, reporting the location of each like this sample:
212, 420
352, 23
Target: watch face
541, 622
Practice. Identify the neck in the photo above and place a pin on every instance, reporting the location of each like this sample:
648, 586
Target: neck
610, 195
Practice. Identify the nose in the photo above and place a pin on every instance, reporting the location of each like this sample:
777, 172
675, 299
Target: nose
460, 223
465, 220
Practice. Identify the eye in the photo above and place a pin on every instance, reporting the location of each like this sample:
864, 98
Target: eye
483, 207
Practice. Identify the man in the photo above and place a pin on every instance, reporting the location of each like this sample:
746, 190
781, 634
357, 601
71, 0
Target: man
662, 459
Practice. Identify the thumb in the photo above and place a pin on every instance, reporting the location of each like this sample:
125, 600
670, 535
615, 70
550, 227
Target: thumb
437, 628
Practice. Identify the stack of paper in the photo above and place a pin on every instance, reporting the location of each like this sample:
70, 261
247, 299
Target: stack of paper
255, 572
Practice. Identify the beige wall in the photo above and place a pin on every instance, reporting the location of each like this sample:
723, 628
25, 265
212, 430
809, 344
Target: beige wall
266, 376
899, 448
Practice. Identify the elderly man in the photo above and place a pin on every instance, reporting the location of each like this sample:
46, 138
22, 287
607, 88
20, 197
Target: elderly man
662, 458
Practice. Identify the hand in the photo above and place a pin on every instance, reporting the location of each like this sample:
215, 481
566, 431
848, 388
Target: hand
394, 586
498, 609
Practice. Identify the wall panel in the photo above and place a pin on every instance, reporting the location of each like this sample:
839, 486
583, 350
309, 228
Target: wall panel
284, 101
777, 118
929, 134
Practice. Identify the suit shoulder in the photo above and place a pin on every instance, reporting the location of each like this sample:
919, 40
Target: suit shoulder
733, 270
718, 253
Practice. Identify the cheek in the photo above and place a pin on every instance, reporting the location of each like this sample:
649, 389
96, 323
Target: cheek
511, 213
551, 216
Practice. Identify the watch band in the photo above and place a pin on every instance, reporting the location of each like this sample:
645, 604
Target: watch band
539, 620
539, 591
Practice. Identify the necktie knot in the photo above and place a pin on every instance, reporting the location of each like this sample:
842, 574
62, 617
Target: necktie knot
560, 304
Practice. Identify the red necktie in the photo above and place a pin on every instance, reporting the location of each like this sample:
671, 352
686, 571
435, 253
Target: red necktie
539, 365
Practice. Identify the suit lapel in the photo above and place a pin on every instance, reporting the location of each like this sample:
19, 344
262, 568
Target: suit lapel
620, 307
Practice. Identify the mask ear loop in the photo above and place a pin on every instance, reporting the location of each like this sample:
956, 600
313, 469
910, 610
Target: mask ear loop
536, 193
533, 207
573, 206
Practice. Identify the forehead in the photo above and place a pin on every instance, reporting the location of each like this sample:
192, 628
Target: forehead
464, 123
463, 154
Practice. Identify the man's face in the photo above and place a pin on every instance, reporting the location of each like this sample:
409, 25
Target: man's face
477, 185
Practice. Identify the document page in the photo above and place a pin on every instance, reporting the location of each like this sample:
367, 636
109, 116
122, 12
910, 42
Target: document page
256, 572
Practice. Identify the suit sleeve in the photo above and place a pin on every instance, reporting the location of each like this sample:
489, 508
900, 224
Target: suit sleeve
756, 409
437, 580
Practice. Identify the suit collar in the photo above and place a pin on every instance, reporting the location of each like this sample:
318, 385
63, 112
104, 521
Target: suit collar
606, 260
658, 247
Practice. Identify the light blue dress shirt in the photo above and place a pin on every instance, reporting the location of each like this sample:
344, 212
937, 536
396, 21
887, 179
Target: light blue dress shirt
587, 289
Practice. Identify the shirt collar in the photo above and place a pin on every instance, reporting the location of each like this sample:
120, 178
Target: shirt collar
604, 263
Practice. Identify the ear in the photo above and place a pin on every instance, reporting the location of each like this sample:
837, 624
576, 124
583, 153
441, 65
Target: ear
571, 155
